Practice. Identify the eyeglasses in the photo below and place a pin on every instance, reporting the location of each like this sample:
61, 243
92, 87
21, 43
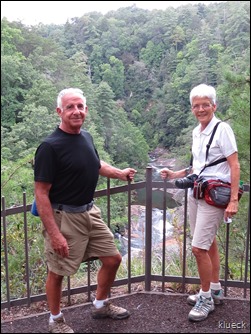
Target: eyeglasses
204, 106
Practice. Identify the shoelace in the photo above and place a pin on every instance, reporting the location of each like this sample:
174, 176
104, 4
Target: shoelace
202, 306
61, 326
112, 308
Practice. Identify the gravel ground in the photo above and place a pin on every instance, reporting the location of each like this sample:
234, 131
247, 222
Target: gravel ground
151, 312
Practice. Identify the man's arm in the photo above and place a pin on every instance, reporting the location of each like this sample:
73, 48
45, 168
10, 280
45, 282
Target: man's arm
116, 173
58, 242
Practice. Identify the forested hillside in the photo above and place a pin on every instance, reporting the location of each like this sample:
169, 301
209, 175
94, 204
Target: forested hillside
136, 68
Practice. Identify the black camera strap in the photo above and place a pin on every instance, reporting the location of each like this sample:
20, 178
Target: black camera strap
208, 145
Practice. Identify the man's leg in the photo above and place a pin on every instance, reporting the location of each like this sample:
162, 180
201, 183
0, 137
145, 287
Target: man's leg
54, 291
107, 274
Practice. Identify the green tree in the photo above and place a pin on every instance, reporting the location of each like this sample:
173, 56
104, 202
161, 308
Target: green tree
25, 136
128, 145
105, 111
113, 74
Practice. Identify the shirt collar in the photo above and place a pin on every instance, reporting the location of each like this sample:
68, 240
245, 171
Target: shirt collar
208, 130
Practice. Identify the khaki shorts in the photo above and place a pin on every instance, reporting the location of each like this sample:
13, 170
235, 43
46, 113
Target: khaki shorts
204, 222
87, 236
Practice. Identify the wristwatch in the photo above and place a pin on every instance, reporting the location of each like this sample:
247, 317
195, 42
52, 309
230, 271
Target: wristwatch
188, 170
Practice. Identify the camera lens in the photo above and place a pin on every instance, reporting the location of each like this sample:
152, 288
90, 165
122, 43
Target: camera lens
183, 183
186, 182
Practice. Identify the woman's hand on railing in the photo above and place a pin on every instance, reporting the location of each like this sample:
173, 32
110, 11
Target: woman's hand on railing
165, 173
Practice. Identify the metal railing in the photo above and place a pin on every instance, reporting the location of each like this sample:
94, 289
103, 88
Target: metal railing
148, 277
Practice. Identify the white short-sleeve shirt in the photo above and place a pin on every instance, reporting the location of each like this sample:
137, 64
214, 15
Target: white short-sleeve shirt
223, 145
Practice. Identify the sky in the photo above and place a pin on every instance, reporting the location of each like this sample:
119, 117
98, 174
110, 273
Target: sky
57, 12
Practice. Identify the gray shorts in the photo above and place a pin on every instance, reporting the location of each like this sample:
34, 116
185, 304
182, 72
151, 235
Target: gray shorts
87, 236
204, 222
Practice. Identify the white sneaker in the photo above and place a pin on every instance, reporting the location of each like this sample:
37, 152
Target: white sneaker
217, 296
201, 309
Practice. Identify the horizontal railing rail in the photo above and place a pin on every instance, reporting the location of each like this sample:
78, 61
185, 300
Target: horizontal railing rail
148, 186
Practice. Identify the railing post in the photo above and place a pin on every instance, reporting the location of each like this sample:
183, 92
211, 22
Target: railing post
6, 263
164, 237
148, 229
247, 257
26, 249
184, 243
129, 255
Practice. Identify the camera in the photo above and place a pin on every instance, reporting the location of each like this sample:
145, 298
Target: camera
186, 182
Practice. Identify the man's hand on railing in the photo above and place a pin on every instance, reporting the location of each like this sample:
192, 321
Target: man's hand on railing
126, 174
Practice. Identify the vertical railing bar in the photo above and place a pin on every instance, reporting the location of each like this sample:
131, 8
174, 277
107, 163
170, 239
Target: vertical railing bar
164, 237
226, 258
6, 253
129, 237
89, 280
108, 202
27, 267
69, 290
148, 229
109, 209
247, 251
184, 243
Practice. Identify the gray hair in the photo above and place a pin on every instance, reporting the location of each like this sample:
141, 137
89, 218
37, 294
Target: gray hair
70, 90
203, 90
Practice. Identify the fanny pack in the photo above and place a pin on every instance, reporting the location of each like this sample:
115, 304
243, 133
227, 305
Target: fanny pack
214, 192
218, 193
34, 208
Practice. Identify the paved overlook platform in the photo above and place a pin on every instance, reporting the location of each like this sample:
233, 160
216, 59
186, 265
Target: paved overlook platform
151, 312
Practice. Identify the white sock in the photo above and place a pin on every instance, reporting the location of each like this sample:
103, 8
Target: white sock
99, 303
54, 317
215, 286
206, 294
